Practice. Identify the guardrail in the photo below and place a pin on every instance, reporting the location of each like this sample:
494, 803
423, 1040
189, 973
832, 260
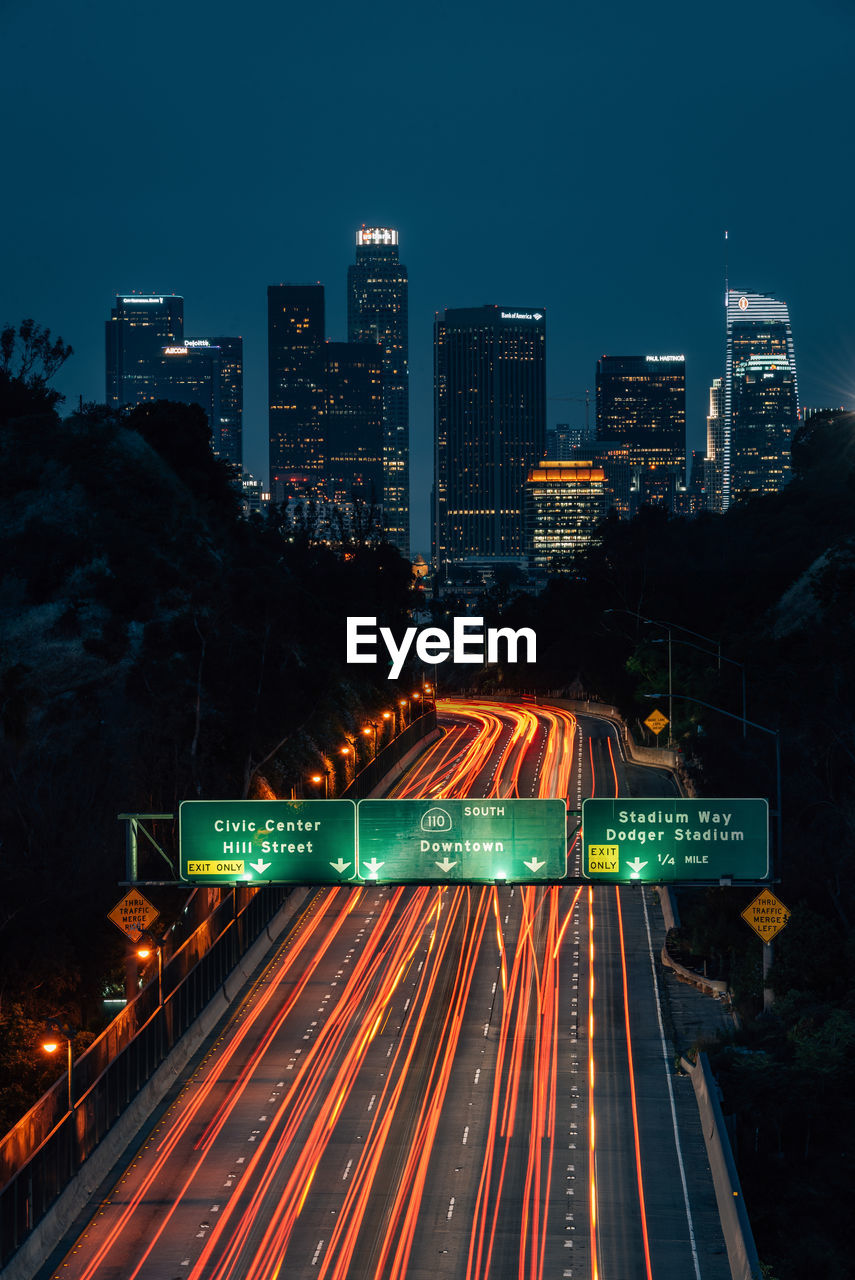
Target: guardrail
376, 770
40, 1156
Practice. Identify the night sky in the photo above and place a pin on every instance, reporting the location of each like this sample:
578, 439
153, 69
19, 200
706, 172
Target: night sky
585, 159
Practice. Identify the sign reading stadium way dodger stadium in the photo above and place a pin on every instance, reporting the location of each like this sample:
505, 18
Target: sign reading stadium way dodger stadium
657, 840
284, 841
466, 840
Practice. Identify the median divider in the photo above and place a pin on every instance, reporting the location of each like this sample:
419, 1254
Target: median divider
739, 1239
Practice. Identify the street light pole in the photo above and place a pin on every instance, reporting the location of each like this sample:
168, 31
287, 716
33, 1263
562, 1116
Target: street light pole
776, 734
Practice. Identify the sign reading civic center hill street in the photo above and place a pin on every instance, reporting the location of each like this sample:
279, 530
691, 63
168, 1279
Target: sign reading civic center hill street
670, 839
462, 840
285, 841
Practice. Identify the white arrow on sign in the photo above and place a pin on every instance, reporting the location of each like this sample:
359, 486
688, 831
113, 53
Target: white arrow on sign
635, 867
534, 865
373, 866
340, 866
446, 865
260, 866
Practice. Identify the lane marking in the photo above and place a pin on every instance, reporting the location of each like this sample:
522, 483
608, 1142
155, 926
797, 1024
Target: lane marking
671, 1092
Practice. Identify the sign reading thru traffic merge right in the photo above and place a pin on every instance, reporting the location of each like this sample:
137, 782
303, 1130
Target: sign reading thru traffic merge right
675, 839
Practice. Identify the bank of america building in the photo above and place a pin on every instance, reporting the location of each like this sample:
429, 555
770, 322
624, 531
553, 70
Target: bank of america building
490, 430
761, 398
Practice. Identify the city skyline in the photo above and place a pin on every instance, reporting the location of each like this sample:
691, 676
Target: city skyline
537, 210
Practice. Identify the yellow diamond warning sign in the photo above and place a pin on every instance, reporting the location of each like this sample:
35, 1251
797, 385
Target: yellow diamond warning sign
767, 915
133, 914
656, 722
603, 857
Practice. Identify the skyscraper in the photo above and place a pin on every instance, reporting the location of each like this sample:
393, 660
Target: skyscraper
641, 400
295, 335
565, 502
761, 398
490, 423
351, 419
228, 434
326, 406
714, 460
139, 328
377, 313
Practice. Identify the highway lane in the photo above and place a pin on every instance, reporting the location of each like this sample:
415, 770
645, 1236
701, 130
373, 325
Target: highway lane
408, 1089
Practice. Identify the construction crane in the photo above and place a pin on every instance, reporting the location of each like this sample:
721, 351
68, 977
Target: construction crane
585, 400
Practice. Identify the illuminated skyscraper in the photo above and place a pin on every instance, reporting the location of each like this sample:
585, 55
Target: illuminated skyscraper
761, 398
490, 430
714, 460
139, 328
326, 418
295, 335
641, 401
377, 313
565, 503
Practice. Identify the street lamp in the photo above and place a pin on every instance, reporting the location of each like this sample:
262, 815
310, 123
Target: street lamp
402, 703
319, 778
676, 626
54, 1032
145, 949
721, 658
367, 730
776, 733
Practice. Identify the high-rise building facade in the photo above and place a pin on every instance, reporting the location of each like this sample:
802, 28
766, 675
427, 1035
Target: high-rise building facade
228, 431
351, 418
490, 426
326, 406
295, 335
761, 398
377, 313
714, 460
565, 503
562, 441
641, 401
139, 328
148, 358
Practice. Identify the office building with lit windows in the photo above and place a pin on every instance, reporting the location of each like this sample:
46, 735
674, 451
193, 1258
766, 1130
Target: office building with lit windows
761, 397
326, 406
377, 314
295, 335
565, 504
139, 328
641, 402
490, 427
351, 423
191, 375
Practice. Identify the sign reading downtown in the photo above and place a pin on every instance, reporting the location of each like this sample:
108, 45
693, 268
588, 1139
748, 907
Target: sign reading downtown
378, 841
462, 840
655, 840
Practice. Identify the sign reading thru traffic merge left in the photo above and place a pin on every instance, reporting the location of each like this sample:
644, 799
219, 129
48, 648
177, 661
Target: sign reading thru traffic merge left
284, 841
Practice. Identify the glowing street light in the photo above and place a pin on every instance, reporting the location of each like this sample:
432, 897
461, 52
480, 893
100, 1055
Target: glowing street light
318, 778
54, 1033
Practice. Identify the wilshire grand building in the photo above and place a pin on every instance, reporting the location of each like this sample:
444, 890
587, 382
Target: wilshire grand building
761, 399
490, 430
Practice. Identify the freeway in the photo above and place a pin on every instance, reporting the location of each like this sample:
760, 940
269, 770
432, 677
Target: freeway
464, 1082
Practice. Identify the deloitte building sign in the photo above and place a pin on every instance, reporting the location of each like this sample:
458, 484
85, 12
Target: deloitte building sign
718, 841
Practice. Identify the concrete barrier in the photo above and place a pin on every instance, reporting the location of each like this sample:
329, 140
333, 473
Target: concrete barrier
738, 1237
60, 1217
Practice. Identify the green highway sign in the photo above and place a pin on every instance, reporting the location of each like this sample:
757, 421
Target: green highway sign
281, 841
670, 839
517, 841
